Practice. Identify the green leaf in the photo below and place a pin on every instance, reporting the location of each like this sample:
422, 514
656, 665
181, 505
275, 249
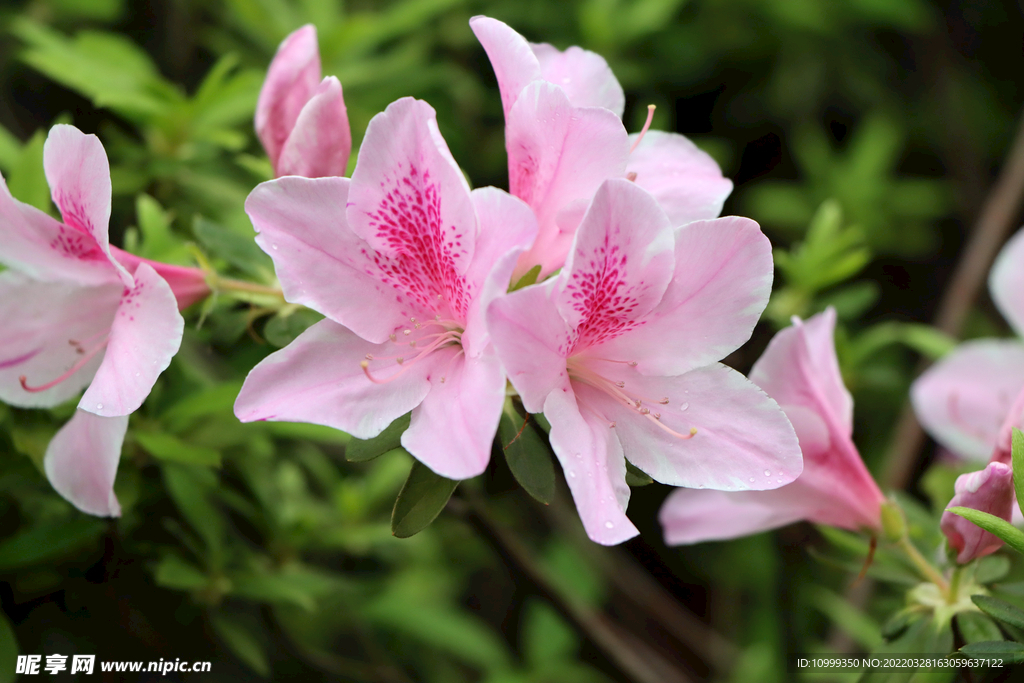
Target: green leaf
899, 623
239, 250
1003, 611
544, 636
8, 650
636, 476
27, 180
976, 627
282, 329
1017, 457
1010, 653
1013, 536
218, 399
242, 643
528, 455
49, 542
174, 572
528, 279
420, 501
991, 568
190, 487
171, 448
360, 450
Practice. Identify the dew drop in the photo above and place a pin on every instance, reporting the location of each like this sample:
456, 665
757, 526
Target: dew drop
684, 406
609, 525
136, 374
99, 406
779, 480
274, 246
700, 486
751, 480
572, 474
767, 473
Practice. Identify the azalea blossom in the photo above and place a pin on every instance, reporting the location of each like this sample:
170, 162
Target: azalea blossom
618, 351
799, 369
989, 490
564, 137
971, 399
302, 120
402, 260
79, 313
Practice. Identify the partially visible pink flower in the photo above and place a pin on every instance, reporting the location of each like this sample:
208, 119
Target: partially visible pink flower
564, 137
75, 316
618, 351
799, 369
301, 120
403, 260
989, 490
971, 399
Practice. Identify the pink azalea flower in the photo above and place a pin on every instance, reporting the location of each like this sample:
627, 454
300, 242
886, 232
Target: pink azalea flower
989, 490
301, 120
564, 137
402, 259
79, 313
971, 399
618, 351
799, 370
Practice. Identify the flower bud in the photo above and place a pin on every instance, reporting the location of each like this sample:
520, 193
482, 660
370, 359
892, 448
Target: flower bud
989, 490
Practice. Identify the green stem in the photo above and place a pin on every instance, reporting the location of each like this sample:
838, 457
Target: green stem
954, 585
925, 567
226, 284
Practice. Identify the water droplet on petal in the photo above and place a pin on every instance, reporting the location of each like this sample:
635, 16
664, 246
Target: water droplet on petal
609, 525
99, 406
779, 480
572, 474
274, 246
767, 473
137, 374
751, 480
684, 406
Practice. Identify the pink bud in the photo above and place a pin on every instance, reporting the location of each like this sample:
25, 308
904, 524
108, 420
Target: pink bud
989, 490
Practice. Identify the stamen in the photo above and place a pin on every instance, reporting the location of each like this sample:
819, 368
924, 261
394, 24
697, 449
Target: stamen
647, 124
631, 176
74, 368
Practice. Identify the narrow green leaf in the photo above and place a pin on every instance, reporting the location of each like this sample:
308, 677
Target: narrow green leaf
526, 280
977, 628
26, 179
636, 476
276, 589
991, 568
528, 456
171, 448
420, 501
48, 543
282, 329
1017, 456
1013, 536
1003, 611
239, 250
1010, 653
190, 488
8, 650
218, 399
174, 572
899, 623
360, 450
242, 643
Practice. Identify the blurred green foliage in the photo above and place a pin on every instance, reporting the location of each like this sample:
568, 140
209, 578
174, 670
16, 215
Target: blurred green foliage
860, 135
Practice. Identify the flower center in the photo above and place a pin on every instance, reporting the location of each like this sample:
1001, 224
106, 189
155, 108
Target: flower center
85, 355
618, 390
421, 339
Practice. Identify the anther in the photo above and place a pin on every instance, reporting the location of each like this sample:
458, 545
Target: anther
631, 176
406, 332
399, 360
645, 411
632, 363
664, 401
611, 425
393, 337
620, 385
369, 356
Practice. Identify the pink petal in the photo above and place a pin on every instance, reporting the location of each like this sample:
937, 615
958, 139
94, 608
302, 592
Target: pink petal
722, 280
584, 76
37, 245
743, 439
318, 378
188, 284
514, 62
620, 264
687, 183
48, 329
320, 142
507, 228
145, 335
962, 401
1006, 282
81, 462
558, 155
694, 516
591, 457
453, 428
320, 262
291, 80
991, 491
79, 177
532, 340
411, 204
800, 368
